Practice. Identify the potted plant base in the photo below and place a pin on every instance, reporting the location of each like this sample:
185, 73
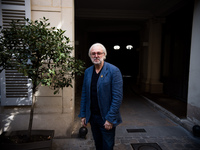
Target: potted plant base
18, 140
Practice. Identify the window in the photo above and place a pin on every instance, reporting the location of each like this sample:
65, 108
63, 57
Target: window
15, 88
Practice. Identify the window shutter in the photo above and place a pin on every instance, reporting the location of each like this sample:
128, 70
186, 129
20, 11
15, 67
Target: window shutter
15, 88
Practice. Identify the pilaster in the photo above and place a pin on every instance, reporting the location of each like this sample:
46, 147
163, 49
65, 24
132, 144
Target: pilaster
193, 109
155, 36
151, 57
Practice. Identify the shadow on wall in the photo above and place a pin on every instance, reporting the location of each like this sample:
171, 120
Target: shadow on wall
13, 118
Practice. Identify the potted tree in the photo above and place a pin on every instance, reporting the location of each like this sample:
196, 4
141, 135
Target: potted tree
41, 53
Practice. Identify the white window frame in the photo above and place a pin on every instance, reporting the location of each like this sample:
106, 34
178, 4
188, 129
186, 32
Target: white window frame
15, 101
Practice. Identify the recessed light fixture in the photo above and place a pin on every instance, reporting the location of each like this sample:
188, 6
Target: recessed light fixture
129, 47
116, 47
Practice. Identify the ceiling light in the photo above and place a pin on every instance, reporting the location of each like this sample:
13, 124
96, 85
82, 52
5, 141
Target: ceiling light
129, 47
116, 47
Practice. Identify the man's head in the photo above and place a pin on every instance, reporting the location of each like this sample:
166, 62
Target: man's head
97, 53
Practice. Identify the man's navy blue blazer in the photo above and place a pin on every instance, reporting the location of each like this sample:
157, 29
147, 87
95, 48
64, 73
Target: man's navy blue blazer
109, 93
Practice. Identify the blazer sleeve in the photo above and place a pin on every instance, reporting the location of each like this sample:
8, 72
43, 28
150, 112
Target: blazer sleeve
83, 99
113, 114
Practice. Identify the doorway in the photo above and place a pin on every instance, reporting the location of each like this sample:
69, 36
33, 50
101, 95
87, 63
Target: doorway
121, 40
117, 26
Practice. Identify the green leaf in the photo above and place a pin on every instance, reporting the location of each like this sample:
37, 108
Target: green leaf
47, 49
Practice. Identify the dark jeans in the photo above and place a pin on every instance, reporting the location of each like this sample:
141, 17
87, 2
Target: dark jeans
104, 139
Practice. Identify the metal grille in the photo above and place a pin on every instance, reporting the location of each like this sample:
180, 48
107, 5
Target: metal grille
135, 130
12, 13
9, 15
15, 88
16, 84
13, 2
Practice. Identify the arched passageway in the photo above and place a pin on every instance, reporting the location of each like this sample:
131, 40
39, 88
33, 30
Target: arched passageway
114, 23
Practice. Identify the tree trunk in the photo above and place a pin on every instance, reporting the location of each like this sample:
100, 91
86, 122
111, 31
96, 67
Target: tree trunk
31, 117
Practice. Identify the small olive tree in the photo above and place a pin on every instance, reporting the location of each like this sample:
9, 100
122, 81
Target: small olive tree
41, 53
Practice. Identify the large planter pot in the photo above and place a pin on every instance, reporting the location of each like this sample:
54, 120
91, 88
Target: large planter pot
45, 144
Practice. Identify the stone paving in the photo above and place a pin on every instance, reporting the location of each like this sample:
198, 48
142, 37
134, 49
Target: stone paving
139, 113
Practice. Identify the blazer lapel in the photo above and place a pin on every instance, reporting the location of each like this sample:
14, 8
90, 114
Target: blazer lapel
103, 74
90, 75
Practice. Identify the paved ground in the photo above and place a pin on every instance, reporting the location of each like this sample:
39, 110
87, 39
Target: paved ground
151, 123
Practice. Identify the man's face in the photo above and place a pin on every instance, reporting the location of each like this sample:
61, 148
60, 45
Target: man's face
97, 55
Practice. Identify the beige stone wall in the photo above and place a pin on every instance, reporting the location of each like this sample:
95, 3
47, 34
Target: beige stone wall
52, 112
59, 12
55, 111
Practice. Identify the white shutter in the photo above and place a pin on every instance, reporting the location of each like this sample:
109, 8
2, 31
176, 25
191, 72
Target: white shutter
15, 88
14, 9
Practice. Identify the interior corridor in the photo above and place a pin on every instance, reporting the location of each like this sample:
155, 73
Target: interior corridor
143, 124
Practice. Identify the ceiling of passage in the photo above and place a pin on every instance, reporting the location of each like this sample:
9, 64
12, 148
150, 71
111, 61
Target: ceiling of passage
125, 9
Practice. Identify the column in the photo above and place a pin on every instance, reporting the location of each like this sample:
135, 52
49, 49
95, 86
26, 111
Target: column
193, 110
154, 56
